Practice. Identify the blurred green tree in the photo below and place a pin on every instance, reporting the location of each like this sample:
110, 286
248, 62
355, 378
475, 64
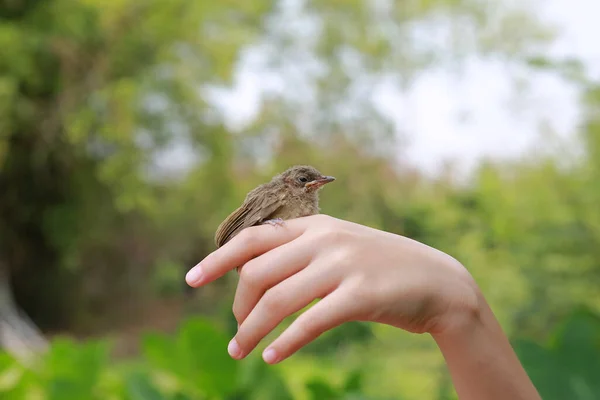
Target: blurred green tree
90, 93
93, 96
97, 97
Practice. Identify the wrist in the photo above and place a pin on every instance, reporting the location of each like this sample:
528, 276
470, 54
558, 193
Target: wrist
463, 304
480, 358
462, 321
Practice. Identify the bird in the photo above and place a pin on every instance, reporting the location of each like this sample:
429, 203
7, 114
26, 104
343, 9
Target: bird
291, 194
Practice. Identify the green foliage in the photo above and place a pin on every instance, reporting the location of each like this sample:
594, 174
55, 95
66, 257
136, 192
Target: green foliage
568, 365
349, 390
193, 364
331, 342
195, 356
73, 372
95, 95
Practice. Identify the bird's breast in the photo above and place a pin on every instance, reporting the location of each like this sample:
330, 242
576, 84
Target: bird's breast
296, 207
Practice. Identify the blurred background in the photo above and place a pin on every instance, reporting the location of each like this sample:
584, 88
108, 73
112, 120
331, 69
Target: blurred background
130, 129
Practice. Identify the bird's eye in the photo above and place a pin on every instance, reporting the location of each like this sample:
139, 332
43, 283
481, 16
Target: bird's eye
303, 179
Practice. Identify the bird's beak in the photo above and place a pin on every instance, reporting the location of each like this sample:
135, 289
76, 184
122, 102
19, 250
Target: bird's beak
319, 182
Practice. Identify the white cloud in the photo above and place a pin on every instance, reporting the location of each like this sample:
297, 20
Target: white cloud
494, 124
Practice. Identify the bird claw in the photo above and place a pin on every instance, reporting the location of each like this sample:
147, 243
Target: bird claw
274, 222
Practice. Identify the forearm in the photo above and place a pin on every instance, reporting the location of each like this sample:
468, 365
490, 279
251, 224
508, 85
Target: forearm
482, 363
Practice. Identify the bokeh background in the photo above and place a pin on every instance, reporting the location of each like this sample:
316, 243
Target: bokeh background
129, 129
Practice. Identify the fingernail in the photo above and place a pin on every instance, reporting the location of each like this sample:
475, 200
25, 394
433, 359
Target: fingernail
194, 276
270, 356
234, 349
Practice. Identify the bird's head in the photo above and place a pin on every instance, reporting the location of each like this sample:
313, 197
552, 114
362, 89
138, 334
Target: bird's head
304, 179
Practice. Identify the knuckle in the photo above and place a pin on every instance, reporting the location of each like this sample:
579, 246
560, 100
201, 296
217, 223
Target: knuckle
323, 218
307, 327
247, 237
337, 245
249, 275
273, 302
237, 311
340, 236
318, 237
362, 293
357, 287
335, 236
342, 256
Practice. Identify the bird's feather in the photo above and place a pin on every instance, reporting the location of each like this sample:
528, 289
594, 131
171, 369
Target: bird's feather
255, 210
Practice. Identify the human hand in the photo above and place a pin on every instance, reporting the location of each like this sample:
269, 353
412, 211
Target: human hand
359, 273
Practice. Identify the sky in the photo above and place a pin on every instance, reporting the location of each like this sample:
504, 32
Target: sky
478, 116
495, 130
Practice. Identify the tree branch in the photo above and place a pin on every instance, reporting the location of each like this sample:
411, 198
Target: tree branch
18, 334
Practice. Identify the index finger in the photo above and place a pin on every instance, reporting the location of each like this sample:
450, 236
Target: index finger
248, 244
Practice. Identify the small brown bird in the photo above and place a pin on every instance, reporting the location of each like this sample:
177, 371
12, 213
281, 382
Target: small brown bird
291, 194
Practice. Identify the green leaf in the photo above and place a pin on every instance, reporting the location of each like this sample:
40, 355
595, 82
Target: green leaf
73, 370
258, 380
353, 382
569, 365
354, 332
320, 389
203, 350
139, 387
161, 352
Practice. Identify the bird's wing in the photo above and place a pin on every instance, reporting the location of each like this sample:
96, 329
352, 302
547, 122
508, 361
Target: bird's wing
253, 211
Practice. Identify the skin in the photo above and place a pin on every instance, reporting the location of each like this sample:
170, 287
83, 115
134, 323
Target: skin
363, 274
